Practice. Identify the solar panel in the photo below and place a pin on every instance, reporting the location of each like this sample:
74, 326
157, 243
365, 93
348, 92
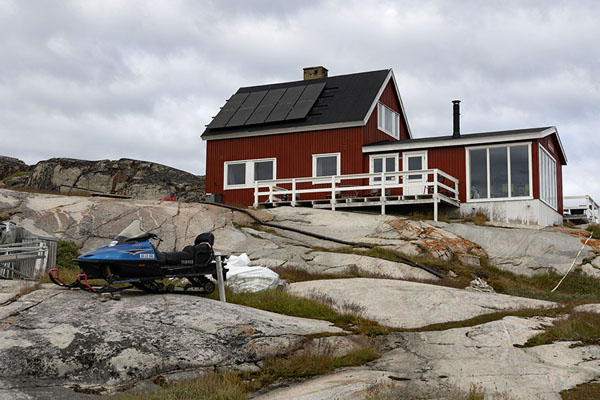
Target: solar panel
246, 109
265, 107
306, 101
228, 110
286, 103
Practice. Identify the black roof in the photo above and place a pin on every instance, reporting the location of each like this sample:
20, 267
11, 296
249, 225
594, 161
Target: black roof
345, 98
462, 136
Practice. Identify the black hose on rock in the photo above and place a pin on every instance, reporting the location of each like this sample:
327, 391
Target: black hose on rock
322, 237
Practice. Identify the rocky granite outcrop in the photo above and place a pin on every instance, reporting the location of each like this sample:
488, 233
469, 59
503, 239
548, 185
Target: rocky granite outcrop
525, 251
10, 166
57, 338
403, 304
127, 177
425, 363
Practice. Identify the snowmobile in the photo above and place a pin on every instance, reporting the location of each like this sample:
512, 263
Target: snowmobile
132, 259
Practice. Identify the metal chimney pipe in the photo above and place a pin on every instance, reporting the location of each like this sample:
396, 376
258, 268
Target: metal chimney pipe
456, 109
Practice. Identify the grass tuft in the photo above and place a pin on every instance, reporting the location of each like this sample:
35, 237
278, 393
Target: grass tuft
583, 327
594, 229
214, 386
419, 216
15, 175
308, 363
479, 218
345, 316
585, 391
28, 289
68, 269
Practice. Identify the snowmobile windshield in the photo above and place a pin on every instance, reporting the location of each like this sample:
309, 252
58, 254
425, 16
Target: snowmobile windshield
133, 233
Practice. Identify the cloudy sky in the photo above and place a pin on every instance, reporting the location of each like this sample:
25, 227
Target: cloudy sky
140, 79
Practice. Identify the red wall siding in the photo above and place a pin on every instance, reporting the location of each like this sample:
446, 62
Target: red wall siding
374, 135
550, 143
293, 152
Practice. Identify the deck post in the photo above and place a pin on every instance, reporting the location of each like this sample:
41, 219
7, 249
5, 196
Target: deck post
220, 280
382, 199
435, 195
271, 193
294, 192
332, 192
255, 194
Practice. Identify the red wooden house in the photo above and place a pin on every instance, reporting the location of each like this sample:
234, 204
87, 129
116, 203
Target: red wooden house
345, 141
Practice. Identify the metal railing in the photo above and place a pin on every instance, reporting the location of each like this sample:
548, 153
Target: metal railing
581, 207
28, 259
433, 182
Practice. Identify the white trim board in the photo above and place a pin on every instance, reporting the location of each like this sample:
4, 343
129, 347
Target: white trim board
463, 141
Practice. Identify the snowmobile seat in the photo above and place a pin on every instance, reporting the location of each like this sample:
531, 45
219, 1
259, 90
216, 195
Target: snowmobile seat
202, 252
206, 237
177, 257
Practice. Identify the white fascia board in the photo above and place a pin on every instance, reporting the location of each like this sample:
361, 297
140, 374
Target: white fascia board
243, 134
376, 100
550, 131
462, 141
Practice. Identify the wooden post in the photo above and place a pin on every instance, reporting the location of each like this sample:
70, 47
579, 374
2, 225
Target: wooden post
294, 192
435, 195
333, 193
255, 194
220, 281
382, 198
271, 193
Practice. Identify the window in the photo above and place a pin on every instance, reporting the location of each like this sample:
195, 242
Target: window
548, 178
499, 172
326, 165
388, 121
383, 163
243, 174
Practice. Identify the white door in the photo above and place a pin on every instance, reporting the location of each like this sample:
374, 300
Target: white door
414, 184
383, 163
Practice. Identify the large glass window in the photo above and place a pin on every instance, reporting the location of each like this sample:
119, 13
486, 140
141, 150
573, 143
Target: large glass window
388, 121
478, 174
548, 178
519, 170
243, 174
326, 164
499, 172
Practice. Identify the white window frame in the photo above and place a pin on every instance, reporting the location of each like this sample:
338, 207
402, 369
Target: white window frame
249, 172
372, 158
395, 121
325, 179
424, 164
488, 147
551, 180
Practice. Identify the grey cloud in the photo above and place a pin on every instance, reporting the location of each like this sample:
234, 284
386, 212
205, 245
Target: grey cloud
141, 79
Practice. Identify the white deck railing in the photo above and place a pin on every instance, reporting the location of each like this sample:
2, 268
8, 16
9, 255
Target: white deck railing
581, 206
433, 182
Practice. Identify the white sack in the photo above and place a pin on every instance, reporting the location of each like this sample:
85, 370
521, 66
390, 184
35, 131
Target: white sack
243, 278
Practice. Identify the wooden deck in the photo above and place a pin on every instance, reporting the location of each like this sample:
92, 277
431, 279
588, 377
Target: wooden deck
437, 187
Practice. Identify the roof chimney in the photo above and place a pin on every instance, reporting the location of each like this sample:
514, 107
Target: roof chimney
456, 109
315, 72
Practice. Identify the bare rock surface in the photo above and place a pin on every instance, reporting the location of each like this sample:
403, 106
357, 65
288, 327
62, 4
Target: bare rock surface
484, 355
10, 166
524, 251
55, 337
404, 304
350, 384
334, 263
134, 178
